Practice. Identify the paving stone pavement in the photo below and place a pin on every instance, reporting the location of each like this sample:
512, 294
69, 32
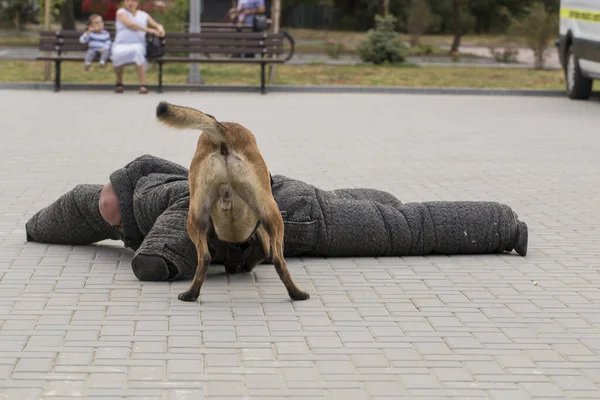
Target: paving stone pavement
75, 322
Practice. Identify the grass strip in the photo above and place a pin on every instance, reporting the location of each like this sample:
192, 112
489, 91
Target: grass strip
310, 74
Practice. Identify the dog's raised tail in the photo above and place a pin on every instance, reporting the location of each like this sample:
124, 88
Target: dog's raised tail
189, 118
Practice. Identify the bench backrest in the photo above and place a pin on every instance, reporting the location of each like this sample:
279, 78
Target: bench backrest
204, 27
222, 43
62, 41
226, 43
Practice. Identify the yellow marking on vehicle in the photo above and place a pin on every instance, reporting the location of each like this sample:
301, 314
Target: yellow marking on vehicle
582, 15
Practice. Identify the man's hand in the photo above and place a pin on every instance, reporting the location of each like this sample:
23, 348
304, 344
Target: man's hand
161, 31
101, 50
233, 14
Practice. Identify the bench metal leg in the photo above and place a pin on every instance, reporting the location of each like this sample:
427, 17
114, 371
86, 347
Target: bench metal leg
262, 78
57, 76
160, 71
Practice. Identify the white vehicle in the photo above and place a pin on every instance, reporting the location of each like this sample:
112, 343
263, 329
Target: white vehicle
579, 45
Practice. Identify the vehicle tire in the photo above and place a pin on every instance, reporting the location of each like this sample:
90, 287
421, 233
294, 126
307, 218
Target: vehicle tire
578, 86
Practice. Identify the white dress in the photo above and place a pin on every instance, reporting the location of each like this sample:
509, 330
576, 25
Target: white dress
130, 46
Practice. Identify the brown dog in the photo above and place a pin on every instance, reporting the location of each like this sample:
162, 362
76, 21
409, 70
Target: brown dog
229, 182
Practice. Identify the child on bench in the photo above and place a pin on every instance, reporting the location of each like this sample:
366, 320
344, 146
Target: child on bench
98, 40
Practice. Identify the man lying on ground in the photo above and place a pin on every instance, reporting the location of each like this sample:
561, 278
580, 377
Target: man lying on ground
146, 203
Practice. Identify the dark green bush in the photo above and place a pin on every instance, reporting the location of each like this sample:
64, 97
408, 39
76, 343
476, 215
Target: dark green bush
383, 43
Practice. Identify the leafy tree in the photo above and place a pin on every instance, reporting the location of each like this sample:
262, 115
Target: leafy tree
420, 19
18, 12
67, 15
457, 25
538, 27
478, 16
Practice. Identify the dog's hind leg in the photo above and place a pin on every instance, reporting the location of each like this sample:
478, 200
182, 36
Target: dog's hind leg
197, 225
273, 222
261, 200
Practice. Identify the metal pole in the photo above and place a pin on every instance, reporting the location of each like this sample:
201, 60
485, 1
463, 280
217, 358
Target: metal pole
47, 28
275, 17
195, 12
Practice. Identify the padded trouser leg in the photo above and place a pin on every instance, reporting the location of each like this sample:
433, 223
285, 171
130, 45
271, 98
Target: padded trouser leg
73, 219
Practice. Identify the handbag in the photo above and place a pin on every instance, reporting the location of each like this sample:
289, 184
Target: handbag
153, 46
261, 23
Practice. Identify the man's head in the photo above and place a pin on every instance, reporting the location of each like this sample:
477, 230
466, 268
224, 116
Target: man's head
109, 206
96, 22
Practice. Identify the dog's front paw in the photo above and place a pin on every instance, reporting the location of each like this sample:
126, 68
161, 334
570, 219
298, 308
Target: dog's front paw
188, 296
300, 295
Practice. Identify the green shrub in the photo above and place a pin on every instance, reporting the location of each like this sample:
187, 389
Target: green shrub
334, 49
506, 55
383, 43
423, 50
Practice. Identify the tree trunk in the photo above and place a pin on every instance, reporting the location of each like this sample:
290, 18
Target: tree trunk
457, 25
539, 59
386, 7
67, 16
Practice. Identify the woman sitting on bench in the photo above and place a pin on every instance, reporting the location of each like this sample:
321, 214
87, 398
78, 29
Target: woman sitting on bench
129, 46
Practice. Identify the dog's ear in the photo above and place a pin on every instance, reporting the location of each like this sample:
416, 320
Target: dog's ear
188, 118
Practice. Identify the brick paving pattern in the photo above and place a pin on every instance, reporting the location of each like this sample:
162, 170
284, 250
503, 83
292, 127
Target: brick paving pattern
75, 322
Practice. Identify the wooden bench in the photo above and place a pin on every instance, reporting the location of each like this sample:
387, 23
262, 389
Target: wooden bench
267, 48
228, 47
63, 46
205, 27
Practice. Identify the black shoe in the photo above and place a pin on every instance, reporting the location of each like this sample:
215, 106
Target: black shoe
152, 268
522, 239
231, 269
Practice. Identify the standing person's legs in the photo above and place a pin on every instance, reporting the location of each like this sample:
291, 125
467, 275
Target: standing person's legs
89, 57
